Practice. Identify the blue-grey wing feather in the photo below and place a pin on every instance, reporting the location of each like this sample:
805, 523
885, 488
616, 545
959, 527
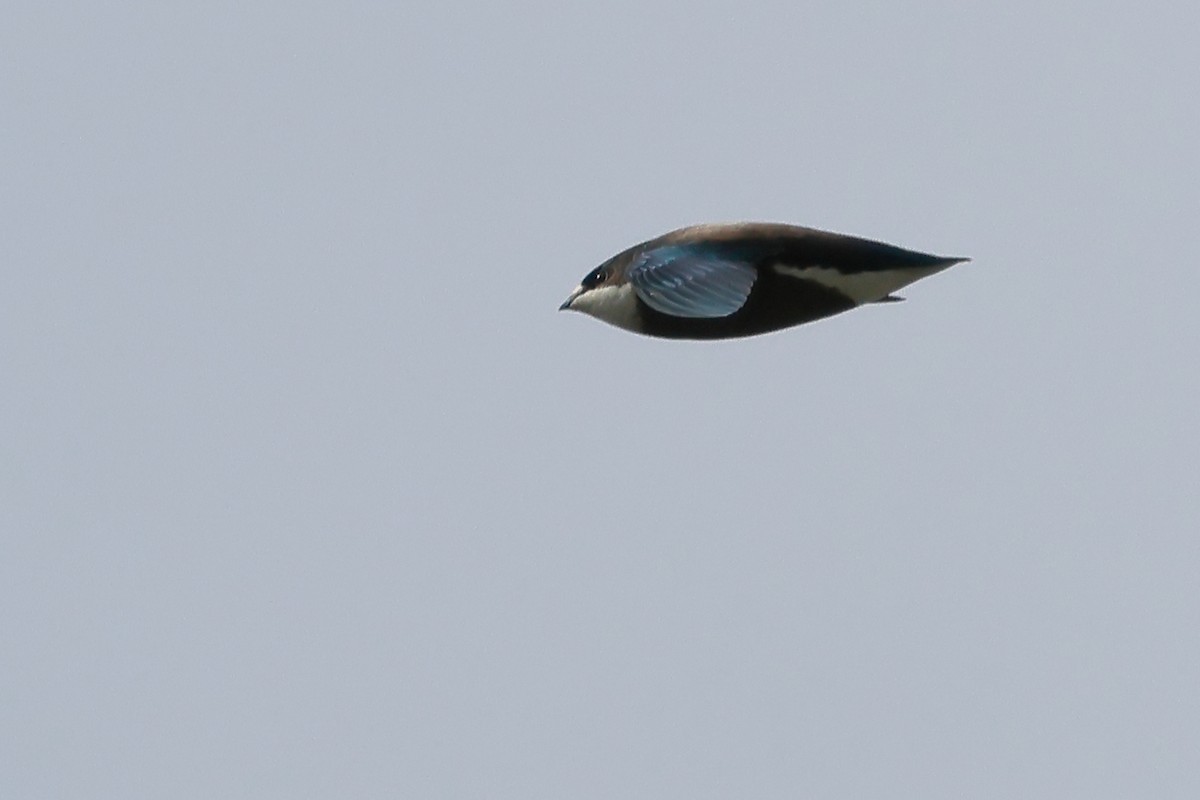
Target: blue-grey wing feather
684, 281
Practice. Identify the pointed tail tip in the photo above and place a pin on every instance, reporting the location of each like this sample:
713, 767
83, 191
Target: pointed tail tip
945, 262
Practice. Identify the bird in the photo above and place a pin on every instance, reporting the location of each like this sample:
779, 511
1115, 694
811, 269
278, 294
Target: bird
729, 280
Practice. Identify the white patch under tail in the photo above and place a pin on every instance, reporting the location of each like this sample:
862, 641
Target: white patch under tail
862, 287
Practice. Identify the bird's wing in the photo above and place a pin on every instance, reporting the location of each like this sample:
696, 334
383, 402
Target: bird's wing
687, 281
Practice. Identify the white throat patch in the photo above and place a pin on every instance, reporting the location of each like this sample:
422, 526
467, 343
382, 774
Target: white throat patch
616, 305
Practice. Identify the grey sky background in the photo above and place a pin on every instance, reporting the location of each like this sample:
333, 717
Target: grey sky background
308, 490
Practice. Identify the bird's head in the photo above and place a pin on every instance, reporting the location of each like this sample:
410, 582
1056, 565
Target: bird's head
606, 294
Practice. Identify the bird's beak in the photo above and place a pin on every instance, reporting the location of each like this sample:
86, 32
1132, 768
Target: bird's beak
567, 303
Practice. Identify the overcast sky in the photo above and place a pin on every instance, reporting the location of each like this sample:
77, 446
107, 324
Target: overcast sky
309, 491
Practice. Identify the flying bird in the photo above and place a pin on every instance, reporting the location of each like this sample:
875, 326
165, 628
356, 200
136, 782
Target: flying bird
727, 280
